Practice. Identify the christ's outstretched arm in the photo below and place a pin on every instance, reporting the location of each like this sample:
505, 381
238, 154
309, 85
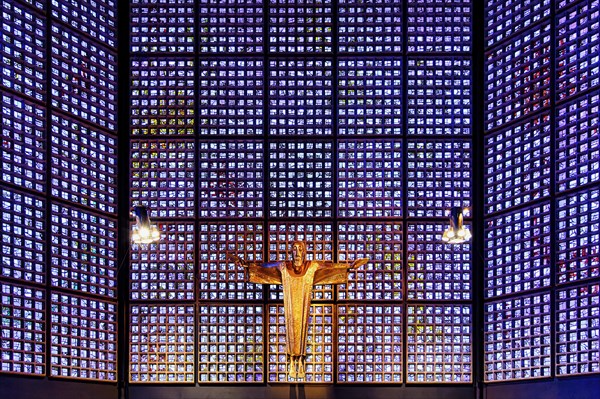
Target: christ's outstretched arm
336, 273
265, 273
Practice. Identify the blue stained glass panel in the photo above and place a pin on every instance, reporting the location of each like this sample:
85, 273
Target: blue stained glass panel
162, 96
578, 142
577, 330
517, 338
369, 178
83, 164
238, 362
578, 236
369, 96
517, 164
300, 97
300, 26
230, 179
439, 26
230, 95
516, 86
439, 96
23, 49
97, 18
23, 148
161, 343
517, 245
162, 26
83, 77
439, 344
369, 343
23, 236
231, 26
83, 338
83, 251
506, 18
23, 322
301, 178
369, 27
578, 49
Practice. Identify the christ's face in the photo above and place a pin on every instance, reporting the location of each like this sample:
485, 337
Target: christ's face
298, 254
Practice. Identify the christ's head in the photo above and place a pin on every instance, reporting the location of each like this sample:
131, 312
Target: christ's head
298, 254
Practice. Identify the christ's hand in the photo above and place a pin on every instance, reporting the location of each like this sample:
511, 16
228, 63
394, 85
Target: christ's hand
237, 260
358, 263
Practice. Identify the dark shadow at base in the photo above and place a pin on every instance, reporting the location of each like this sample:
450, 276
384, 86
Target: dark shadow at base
297, 391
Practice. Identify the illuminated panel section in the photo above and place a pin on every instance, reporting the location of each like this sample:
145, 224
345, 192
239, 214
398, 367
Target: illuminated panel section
369, 178
319, 246
439, 177
439, 25
162, 97
219, 277
301, 179
84, 251
369, 96
578, 243
83, 338
439, 96
517, 338
518, 77
231, 26
319, 345
369, 27
23, 330
517, 164
231, 344
517, 248
23, 50
439, 344
39, 4
577, 330
369, 343
300, 97
164, 270
381, 278
159, 26
23, 148
97, 18
84, 78
577, 142
435, 270
231, 179
163, 176
231, 97
578, 49
83, 164
504, 18
161, 344
23, 236
300, 26
562, 4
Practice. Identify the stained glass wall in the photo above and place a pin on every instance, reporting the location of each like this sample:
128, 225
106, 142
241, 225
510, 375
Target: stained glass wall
59, 190
347, 124
342, 123
541, 197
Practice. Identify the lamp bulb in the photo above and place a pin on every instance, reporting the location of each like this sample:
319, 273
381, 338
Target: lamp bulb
144, 232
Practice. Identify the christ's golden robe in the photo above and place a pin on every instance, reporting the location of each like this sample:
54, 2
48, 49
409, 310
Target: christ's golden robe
297, 293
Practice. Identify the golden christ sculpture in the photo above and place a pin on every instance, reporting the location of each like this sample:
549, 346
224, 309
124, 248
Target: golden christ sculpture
298, 278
